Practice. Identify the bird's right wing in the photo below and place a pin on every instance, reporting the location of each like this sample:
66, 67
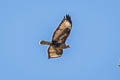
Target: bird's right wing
63, 30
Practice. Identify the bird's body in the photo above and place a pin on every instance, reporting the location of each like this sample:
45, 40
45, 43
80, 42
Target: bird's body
59, 37
54, 43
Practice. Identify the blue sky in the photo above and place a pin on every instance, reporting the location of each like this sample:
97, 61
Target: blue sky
94, 40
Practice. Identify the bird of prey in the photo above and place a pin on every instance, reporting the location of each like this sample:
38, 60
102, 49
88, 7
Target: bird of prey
119, 64
59, 37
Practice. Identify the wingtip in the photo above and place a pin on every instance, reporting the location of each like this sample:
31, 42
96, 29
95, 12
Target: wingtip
68, 17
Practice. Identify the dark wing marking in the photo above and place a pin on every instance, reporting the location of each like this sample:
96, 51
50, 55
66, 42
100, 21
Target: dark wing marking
63, 30
54, 52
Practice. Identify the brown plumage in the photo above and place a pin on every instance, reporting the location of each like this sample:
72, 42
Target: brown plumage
59, 37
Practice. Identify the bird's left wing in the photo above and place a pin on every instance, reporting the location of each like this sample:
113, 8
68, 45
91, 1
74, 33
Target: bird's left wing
54, 52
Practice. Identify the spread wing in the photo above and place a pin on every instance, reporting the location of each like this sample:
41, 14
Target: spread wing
63, 30
54, 52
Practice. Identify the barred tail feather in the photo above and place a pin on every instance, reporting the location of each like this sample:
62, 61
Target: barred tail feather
45, 42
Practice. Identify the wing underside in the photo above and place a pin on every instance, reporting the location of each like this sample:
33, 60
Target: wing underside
54, 52
60, 33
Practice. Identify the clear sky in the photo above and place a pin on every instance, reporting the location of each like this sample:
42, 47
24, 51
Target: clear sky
94, 40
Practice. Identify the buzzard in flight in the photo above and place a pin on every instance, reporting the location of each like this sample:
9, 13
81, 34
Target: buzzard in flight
60, 35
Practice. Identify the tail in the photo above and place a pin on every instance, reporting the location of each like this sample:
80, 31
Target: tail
45, 42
